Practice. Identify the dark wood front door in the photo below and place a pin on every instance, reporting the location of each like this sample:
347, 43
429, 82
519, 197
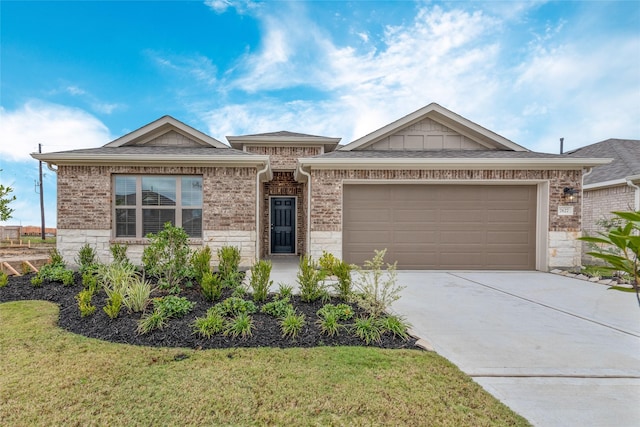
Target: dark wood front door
283, 225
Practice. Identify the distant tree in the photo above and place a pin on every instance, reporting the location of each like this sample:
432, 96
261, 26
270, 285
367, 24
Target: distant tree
5, 199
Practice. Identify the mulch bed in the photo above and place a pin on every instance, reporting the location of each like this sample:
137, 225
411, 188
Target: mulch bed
178, 332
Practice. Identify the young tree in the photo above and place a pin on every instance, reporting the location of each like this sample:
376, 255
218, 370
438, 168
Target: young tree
5, 199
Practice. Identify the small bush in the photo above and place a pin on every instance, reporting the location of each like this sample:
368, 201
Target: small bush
279, 308
167, 256
292, 325
329, 324
25, 268
86, 258
240, 326
84, 303
367, 329
201, 263
54, 273
4, 279
239, 292
234, 306
68, 278
260, 282
377, 288
90, 281
229, 261
395, 325
119, 253
342, 271
56, 257
310, 280
151, 321
328, 262
137, 294
37, 281
284, 290
211, 286
114, 304
173, 306
340, 311
211, 324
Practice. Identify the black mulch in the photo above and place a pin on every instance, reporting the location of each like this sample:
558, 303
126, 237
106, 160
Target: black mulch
178, 332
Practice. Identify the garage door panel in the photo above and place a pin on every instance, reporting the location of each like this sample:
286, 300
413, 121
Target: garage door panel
441, 226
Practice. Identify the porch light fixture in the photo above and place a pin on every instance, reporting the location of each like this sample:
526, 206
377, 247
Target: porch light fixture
570, 195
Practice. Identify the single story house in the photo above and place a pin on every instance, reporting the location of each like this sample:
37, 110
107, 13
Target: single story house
436, 189
611, 187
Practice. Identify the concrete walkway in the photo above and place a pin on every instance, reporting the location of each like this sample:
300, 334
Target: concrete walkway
559, 351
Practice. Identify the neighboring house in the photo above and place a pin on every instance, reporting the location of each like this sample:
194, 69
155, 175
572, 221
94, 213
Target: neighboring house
435, 189
611, 187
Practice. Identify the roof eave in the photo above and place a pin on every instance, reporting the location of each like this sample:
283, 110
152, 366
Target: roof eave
71, 159
238, 142
453, 163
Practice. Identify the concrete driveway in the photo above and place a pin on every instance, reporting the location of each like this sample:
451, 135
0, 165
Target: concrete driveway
559, 351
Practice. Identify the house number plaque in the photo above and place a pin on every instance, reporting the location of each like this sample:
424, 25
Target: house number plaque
565, 210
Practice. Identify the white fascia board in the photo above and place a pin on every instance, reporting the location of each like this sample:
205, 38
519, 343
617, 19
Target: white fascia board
459, 163
603, 184
238, 142
76, 159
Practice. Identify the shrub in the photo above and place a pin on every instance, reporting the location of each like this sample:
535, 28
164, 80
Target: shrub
367, 329
84, 303
201, 263
90, 281
68, 278
166, 257
239, 291
151, 321
229, 261
56, 257
55, 273
119, 253
86, 258
25, 268
211, 324
114, 303
240, 326
340, 311
377, 288
137, 294
279, 308
396, 326
37, 280
234, 306
260, 282
292, 324
329, 324
211, 286
310, 280
284, 290
4, 279
173, 306
328, 262
342, 271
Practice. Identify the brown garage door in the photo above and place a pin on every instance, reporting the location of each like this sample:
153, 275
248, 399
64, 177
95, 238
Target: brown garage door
486, 227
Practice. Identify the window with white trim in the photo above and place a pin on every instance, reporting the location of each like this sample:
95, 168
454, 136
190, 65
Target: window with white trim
144, 203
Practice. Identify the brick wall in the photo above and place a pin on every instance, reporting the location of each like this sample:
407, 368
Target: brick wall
326, 205
84, 195
284, 158
283, 184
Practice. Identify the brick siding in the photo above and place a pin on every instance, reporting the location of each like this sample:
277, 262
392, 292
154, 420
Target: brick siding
284, 158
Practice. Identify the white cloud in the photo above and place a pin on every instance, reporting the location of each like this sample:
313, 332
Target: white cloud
56, 127
241, 6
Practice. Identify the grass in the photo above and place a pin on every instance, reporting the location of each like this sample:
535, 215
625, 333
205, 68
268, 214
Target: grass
52, 377
24, 240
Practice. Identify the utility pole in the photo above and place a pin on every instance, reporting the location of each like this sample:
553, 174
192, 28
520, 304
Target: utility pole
42, 232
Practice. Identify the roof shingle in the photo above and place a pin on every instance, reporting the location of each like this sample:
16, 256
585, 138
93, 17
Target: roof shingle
626, 155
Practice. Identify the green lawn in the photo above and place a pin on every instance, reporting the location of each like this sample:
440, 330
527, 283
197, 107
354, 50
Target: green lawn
52, 377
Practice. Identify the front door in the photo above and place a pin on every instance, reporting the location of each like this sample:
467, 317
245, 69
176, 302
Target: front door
283, 225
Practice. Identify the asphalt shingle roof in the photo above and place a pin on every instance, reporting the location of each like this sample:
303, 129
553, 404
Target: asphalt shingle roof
168, 151
626, 155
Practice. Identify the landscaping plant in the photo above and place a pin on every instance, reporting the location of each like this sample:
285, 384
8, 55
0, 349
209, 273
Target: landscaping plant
86, 259
113, 305
116, 277
55, 271
201, 263
367, 329
4, 279
310, 278
342, 271
166, 258
327, 262
211, 286
284, 290
260, 282
278, 308
164, 309
620, 247
240, 326
228, 261
119, 253
376, 288
292, 324
395, 325
84, 303
213, 323
136, 297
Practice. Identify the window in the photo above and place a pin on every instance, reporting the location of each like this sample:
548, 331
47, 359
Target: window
143, 204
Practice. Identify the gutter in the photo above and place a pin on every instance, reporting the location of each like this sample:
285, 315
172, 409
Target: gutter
260, 172
308, 175
630, 183
151, 160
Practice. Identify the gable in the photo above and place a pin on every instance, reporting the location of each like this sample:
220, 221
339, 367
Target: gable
433, 128
426, 134
170, 139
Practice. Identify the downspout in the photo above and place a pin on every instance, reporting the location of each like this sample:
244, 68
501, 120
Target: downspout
630, 183
308, 175
266, 168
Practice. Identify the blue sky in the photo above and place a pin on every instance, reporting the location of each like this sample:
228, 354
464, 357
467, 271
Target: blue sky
78, 74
